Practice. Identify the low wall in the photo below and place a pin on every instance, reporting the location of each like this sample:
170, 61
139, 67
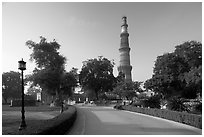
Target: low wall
182, 117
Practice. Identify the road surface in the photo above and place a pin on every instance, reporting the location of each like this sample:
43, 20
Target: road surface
108, 121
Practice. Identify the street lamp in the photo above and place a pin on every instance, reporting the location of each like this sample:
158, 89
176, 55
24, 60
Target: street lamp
22, 67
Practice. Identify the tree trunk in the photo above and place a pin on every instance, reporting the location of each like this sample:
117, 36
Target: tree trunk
96, 95
56, 93
58, 99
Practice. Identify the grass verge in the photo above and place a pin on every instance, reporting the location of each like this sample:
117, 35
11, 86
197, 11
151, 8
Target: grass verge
55, 126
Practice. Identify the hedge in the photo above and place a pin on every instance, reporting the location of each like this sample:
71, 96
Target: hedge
182, 117
59, 125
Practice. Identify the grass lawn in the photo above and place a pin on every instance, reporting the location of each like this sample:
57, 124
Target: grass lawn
40, 108
11, 117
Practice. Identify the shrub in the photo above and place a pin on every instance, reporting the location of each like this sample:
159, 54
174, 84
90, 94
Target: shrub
198, 107
177, 104
137, 104
182, 117
118, 107
152, 102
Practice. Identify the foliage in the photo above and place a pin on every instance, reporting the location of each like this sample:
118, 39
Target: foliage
193, 80
198, 107
191, 52
126, 89
182, 117
138, 103
118, 107
50, 72
178, 73
46, 55
69, 81
11, 85
152, 102
33, 90
97, 75
176, 104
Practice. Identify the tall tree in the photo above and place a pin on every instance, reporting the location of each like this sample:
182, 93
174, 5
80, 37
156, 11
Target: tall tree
167, 69
50, 65
69, 82
173, 71
193, 80
191, 52
11, 85
127, 89
97, 75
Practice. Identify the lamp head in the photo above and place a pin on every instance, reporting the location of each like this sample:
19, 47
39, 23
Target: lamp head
22, 65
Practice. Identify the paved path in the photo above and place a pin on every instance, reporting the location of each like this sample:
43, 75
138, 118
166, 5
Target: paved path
108, 121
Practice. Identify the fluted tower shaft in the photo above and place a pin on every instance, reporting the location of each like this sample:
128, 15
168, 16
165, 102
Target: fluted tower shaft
124, 51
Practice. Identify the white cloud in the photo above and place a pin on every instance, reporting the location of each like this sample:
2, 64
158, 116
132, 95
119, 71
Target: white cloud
73, 21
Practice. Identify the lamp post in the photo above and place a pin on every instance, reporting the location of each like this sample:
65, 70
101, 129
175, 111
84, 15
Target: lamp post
22, 67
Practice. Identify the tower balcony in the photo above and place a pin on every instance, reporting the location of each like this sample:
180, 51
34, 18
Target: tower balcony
124, 49
124, 34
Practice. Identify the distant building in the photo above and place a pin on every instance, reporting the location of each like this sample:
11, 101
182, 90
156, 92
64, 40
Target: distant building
39, 96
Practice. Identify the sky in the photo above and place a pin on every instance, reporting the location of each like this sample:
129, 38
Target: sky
88, 30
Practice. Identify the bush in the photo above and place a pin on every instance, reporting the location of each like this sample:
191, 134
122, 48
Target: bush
177, 104
137, 104
182, 117
118, 107
152, 102
198, 107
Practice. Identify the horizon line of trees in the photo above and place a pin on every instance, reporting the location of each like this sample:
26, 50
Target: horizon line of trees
175, 74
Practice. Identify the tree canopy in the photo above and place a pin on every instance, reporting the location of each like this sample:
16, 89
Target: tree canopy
11, 85
178, 73
126, 89
50, 71
97, 75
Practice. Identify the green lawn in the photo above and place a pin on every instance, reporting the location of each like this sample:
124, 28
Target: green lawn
11, 117
32, 109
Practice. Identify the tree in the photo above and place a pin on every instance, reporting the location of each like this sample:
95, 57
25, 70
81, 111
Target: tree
191, 52
11, 85
193, 80
152, 102
126, 89
174, 71
50, 71
69, 81
97, 75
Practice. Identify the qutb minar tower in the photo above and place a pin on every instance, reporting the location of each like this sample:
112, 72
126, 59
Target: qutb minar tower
124, 51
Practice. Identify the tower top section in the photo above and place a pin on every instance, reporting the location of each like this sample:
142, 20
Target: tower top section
124, 25
124, 20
